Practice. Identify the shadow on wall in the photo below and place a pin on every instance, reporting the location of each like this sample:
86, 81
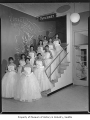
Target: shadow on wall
4, 65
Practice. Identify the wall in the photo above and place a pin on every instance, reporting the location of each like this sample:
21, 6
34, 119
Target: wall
80, 39
14, 26
66, 77
61, 28
83, 23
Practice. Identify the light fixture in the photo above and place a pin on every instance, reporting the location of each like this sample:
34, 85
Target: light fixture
75, 17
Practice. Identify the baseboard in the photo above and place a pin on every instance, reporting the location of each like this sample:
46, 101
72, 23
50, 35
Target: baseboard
59, 89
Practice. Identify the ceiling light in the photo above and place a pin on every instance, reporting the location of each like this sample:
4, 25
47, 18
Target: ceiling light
75, 17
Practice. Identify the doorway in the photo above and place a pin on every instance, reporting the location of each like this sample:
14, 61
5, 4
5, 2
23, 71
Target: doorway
81, 58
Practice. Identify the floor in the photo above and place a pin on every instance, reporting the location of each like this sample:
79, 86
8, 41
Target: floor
73, 98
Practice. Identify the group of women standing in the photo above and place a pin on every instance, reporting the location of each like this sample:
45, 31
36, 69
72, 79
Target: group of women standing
26, 81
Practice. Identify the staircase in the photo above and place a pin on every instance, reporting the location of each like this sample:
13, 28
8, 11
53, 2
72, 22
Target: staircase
64, 68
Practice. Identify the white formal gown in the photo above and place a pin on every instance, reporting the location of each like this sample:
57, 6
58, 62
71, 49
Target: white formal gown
47, 61
8, 82
32, 55
22, 63
41, 50
62, 55
45, 42
43, 80
28, 88
55, 75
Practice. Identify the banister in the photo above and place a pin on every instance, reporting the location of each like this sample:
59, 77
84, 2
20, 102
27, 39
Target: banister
55, 58
58, 64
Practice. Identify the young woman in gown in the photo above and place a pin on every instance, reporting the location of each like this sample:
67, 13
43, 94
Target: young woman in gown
57, 44
32, 55
39, 72
48, 57
45, 41
40, 48
55, 75
28, 88
9, 79
21, 63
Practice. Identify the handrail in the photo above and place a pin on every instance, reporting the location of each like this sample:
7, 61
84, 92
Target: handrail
57, 65
54, 58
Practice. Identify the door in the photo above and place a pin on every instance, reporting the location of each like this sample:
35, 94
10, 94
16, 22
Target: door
81, 65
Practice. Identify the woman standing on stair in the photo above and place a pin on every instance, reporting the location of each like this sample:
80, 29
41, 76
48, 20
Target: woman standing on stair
62, 57
40, 48
55, 75
32, 55
21, 63
40, 74
45, 41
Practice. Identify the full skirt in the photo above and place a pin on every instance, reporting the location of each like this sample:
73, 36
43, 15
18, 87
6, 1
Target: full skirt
8, 84
28, 88
62, 58
43, 80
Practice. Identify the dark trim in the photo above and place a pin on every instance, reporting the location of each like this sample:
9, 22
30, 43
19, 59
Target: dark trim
59, 89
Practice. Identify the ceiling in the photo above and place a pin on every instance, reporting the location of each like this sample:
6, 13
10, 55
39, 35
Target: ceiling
37, 9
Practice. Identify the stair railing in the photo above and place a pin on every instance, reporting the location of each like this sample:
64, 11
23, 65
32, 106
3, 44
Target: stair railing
53, 61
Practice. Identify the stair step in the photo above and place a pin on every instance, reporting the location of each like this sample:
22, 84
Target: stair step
54, 81
44, 93
61, 71
63, 67
65, 64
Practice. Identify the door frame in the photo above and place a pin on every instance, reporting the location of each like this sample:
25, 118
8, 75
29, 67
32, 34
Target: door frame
78, 82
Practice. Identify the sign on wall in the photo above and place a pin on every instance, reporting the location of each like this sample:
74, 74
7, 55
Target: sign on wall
47, 17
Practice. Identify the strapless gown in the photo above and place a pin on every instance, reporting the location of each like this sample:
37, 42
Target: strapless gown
28, 88
43, 80
62, 55
41, 50
55, 75
22, 63
32, 55
8, 82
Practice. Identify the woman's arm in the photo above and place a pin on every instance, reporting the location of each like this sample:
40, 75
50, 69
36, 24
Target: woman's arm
51, 54
54, 46
35, 54
6, 69
43, 62
32, 69
22, 70
15, 67
60, 41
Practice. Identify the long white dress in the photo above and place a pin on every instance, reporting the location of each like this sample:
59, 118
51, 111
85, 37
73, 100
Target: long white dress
28, 88
55, 75
45, 42
32, 55
22, 63
47, 61
62, 55
51, 48
8, 82
59, 49
43, 80
41, 50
